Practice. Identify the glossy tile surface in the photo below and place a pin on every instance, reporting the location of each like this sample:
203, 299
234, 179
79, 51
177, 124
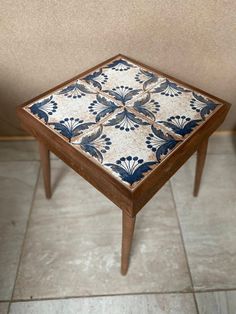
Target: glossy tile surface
126, 97
137, 304
208, 222
222, 302
73, 244
17, 182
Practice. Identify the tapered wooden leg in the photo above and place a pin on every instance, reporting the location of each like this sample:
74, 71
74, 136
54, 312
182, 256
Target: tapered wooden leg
127, 236
45, 163
201, 157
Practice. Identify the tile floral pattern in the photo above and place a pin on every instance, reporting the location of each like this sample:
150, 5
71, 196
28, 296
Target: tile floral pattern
123, 116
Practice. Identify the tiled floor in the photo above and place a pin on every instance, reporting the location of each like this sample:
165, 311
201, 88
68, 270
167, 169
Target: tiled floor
62, 255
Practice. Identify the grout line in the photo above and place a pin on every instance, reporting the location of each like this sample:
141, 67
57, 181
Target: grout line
214, 290
184, 248
117, 294
24, 238
102, 295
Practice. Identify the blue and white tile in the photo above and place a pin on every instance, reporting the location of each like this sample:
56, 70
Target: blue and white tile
177, 108
127, 145
122, 80
71, 113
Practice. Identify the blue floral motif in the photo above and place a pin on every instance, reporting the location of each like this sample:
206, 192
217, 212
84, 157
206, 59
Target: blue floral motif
180, 124
123, 93
95, 144
131, 169
97, 79
147, 107
160, 143
146, 78
120, 65
44, 108
168, 88
126, 121
75, 90
101, 107
70, 127
202, 105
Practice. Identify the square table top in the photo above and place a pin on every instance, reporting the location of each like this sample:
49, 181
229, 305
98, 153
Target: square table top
124, 117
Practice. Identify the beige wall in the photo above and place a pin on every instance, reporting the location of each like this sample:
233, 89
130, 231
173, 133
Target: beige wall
46, 42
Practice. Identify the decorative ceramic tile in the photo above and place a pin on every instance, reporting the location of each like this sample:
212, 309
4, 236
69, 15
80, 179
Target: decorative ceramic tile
122, 80
127, 145
124, 116
175, 107
73, 109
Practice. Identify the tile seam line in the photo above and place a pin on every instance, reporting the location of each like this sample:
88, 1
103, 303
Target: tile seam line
181, 142
116, 294
107, 95
25, 234
184, 248
174, 292
214, 290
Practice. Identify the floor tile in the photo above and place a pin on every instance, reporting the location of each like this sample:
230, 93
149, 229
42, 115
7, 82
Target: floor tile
17, 182
222, 144
222, 302
136, 304
208, 221
20, 151
73, 244
3, 307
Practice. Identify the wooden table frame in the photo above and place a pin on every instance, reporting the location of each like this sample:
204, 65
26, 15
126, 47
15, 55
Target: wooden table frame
129, 200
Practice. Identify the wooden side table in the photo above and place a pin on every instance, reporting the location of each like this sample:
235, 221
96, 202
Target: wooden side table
126, 128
